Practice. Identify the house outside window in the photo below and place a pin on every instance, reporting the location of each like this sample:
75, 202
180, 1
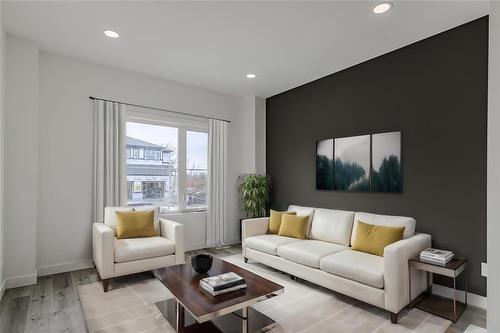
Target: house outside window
166, 163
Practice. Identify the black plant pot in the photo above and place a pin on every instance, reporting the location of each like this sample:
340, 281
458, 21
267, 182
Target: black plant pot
201, 263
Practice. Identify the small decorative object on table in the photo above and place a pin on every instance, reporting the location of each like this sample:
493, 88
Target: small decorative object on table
201, 263
223, 283
435, 256
450, 309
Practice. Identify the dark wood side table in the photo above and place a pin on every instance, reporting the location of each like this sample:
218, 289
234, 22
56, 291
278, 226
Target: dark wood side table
450, 309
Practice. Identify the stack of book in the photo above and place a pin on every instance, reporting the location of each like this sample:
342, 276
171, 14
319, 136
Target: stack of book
435, 256
222, 283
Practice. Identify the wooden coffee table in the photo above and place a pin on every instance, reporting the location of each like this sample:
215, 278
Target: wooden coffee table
195, 310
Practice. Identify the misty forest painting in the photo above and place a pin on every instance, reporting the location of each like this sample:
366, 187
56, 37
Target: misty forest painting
366, 163
324, 164
386, 162
352, 163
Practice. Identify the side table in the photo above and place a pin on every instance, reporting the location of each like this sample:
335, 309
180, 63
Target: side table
450, 309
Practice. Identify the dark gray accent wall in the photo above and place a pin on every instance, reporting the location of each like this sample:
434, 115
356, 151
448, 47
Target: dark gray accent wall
434, 92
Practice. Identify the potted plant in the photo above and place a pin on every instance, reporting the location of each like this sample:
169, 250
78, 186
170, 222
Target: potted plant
255, 191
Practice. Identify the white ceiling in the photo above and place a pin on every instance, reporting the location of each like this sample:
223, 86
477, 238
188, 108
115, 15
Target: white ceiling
214, 44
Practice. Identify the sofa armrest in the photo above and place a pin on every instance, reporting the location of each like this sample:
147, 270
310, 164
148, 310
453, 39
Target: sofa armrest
174, 232
252, 227
396, 271
103, 249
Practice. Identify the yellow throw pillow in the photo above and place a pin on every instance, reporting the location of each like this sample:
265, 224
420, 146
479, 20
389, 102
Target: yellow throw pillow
275, 221
135, 224
293, 226
373, 239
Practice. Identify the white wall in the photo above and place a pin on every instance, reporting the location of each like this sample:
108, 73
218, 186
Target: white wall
493, 195
65, 148
2, 85
21, 152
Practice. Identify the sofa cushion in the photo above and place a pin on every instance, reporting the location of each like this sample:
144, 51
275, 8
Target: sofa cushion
358, 266
142, 248
268, 243
303, 211
332, 226
386, 220
308, 252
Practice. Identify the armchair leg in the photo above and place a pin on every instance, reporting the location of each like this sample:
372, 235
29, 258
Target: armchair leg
246, 259
394, 317
105, 285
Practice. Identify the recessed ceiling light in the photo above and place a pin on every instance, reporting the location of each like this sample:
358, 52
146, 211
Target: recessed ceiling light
382, 7
251, 76
111, 33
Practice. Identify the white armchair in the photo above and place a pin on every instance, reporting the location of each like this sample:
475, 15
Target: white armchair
116, 257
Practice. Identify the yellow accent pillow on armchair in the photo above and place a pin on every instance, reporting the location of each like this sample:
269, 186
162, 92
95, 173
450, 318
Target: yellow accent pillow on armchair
293, 226
135, 224
371, 238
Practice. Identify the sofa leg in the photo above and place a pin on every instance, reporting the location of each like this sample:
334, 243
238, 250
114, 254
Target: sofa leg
394, 317
246, 259
294, 278
105, 284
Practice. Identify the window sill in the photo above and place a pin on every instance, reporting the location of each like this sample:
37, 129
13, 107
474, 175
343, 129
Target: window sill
180, 211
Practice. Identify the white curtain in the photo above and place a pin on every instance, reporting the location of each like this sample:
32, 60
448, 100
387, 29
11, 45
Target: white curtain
110, 180
217, 182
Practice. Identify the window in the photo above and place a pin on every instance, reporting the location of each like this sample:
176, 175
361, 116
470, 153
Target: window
137, 153
151, 154
166, 161
196, 169
149, 180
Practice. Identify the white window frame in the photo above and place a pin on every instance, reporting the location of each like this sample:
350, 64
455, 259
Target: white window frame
183, 124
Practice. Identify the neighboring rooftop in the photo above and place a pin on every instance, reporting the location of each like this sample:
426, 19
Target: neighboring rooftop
139, 143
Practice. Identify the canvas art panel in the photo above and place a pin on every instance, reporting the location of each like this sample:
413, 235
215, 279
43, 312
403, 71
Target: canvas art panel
324, 164
386, 162
352, 163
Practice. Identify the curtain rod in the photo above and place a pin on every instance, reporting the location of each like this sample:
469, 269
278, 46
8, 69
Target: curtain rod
158, 109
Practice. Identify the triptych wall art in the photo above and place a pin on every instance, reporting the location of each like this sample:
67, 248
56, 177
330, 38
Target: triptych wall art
364, 163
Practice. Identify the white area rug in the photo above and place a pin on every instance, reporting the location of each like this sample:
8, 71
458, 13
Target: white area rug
475, 329
303, 307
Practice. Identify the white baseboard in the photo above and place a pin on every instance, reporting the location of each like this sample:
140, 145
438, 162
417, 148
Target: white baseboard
64, 267
29, 279
2, 289
472, 299
233, 242
21, 281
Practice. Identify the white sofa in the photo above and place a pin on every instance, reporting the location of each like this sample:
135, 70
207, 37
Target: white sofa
116, 257
326, 258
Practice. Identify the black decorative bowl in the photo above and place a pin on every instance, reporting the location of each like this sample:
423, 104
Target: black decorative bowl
201, 263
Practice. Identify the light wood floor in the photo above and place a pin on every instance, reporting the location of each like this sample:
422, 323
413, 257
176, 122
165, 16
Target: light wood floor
52, 304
